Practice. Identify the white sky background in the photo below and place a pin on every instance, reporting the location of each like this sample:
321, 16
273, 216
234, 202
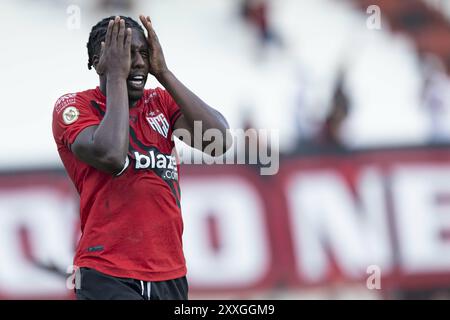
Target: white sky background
209, 49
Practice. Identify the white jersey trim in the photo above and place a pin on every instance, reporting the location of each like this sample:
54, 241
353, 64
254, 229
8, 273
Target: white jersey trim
127, 163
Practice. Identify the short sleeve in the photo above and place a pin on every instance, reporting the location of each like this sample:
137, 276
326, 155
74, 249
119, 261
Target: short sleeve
173, 110
71, 115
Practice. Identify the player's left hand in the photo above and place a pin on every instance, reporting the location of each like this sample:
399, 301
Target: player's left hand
157, 61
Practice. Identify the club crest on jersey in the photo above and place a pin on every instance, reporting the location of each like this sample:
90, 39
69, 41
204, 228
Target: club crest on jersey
70, 115
158, 123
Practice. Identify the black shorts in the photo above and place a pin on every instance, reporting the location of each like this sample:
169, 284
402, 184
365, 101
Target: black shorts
94, 285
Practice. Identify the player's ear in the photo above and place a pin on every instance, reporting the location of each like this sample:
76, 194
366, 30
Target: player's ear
95, 60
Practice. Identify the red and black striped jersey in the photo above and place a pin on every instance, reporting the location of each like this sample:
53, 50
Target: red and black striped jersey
131, 224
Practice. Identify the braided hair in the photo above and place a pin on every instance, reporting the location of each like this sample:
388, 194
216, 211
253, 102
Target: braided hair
98, 34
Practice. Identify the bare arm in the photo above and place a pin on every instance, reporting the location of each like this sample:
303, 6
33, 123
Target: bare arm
105, 146
192, 107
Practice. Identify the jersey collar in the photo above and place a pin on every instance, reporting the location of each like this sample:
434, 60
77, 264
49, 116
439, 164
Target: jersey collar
102, 97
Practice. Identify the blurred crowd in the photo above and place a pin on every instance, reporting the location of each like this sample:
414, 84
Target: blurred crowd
424, 23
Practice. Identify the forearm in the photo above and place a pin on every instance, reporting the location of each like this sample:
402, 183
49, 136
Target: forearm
192, 107
112, 135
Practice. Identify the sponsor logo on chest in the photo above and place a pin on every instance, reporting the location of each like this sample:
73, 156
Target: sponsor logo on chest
165, 165
158, 122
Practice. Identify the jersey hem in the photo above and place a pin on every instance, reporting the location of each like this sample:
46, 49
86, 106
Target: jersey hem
137, 275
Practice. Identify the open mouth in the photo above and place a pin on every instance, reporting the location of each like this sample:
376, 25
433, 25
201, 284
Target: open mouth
137, 82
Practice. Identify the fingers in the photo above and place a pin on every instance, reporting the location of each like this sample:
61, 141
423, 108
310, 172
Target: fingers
152, 37
115, 31
102, 49
121, 36
128, 40
144, 22
150, 26
109, 32
147, 23
100, 64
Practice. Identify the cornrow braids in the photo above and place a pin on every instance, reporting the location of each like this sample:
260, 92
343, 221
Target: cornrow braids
98, 34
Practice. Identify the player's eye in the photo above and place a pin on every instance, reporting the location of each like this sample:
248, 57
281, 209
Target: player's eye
144, 54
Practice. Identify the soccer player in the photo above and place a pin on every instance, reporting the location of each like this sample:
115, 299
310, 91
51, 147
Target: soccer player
115, 142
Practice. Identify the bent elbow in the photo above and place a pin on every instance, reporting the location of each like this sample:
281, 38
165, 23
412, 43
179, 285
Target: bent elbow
115, 165
111, 162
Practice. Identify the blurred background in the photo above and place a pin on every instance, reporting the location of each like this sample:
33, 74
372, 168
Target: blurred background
359, 91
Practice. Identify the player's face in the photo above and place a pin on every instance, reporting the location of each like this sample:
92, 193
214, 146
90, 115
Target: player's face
139, 66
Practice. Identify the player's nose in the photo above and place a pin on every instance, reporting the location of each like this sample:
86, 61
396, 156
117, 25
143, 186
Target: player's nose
138, 61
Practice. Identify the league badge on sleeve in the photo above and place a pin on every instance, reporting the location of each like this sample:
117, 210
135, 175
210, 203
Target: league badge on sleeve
70, 115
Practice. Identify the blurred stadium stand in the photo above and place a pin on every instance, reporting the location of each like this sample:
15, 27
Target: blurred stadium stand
363, 121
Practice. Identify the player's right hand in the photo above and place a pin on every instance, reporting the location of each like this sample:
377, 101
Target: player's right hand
115, 54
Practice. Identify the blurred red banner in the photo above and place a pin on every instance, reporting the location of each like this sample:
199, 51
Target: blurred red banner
322, 220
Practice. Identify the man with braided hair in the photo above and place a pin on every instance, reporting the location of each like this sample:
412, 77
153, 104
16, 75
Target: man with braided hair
116, 144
